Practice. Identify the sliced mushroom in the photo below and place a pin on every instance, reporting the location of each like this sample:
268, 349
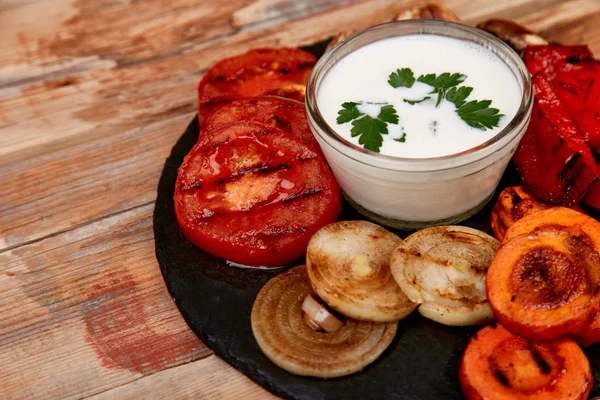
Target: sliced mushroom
443, 269
515, 35
287, 339
348, 264
428, 11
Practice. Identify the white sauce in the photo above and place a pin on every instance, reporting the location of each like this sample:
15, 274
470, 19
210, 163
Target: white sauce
430, 131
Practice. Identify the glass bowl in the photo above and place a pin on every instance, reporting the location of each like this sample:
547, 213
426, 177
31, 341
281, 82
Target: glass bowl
414, 193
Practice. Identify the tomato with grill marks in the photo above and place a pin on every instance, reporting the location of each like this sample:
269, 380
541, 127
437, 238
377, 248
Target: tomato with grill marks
254, 195
285, 114
278, 71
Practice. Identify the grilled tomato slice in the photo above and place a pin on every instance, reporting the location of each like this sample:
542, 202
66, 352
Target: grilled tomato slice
285, 114
254, 195
498, 365
282, 71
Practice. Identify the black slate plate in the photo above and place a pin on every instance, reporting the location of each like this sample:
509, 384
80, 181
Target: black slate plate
215, 301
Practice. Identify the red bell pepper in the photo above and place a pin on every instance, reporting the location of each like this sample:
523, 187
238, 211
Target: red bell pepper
553, 59
553, 159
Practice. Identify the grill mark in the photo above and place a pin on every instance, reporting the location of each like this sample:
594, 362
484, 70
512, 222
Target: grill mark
502, 378
573, 60
569, 174
285, 125
259, 170
192, 186
541, 363
303, 194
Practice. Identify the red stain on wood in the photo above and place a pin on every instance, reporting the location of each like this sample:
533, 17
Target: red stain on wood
124, 335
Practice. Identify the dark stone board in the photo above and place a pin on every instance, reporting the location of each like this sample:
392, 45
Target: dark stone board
216, 299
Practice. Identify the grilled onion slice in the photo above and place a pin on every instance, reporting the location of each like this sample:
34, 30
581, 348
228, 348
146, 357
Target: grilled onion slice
443, 269
348, 264
286, 339
319, 316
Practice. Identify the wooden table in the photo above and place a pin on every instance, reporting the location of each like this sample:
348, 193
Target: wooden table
93, 94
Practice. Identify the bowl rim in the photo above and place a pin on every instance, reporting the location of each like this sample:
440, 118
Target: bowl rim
435, 27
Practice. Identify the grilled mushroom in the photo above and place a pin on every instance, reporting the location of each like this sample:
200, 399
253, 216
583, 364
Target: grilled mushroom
428, 11
515, 35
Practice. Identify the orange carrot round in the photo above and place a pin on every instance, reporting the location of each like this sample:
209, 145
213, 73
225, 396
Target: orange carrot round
558, 218
545, 285
498, 365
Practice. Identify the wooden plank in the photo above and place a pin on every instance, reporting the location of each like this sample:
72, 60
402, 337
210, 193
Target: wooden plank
124, 32
282, 10
87, 310
123, 121
210, 378
89, 181
120, 33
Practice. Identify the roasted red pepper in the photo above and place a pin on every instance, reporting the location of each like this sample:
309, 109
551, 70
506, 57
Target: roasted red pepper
553, 159
555, 58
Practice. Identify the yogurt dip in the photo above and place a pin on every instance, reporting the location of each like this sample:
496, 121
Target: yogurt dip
419, 119
428, 130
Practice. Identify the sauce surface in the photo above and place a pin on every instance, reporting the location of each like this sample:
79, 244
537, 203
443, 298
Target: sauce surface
428, 130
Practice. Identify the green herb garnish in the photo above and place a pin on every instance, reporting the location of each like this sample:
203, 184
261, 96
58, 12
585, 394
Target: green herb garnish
402, 78
458, 95
477, 114
413, 102
348, 113
441, 83
401, 139
369, 129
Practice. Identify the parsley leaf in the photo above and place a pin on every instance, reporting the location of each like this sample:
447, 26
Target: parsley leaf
413, 102
459, 95
478, 114
401, 139
441, 83
348, 112
388, 114
370, 131
402, 78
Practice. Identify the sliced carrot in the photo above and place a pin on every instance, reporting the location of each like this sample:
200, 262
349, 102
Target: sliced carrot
584, 227
589, 335
498, 365
514, 203
545, 285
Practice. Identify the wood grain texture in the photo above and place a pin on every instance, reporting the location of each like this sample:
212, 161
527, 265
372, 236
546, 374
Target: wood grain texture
111, 109
93, 94
92, 312
210, 378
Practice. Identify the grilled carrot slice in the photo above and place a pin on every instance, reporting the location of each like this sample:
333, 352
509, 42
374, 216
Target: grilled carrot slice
589, 335
577, 223
545, 285
498, 365
513, 204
